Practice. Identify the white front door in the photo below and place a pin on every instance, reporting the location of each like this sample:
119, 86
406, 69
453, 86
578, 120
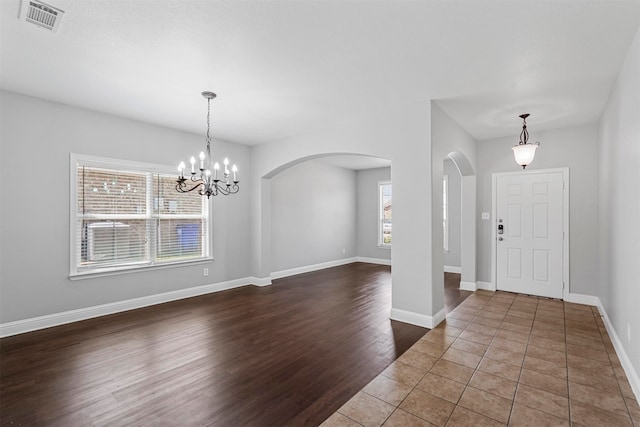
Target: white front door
529, 233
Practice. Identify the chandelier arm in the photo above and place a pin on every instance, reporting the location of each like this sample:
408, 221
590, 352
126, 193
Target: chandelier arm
221, 189
227, 188
181, 186
211, 189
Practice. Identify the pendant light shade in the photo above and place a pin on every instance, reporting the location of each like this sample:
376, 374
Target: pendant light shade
524, 154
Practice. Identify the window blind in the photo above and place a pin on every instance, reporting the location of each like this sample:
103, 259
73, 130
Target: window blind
181, 221
133, 218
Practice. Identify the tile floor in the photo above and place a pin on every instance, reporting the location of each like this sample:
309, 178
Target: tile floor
502, 359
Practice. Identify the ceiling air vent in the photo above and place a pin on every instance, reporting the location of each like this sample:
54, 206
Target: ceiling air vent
41, 14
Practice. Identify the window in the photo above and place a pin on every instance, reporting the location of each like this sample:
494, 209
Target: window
445, 212
384, 223
127, 215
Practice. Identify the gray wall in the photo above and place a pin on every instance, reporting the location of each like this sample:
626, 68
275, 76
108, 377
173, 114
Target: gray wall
368, 213
401, 135
446, 136
576, 148
38, 135
619, 156
452, 257
313, 215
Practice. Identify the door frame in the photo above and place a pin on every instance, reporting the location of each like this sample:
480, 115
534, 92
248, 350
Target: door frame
565, 224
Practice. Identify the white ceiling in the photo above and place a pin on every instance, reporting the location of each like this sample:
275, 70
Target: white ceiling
282, 68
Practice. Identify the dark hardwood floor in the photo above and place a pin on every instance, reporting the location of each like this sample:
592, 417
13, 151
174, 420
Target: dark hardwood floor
453, 296
288, 354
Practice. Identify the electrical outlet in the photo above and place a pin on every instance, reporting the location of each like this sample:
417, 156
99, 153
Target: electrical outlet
344, 251
205, 272
628, 332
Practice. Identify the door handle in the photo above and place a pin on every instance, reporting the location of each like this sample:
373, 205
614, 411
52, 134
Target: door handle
500, 238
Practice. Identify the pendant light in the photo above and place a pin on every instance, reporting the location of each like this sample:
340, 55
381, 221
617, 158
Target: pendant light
524, 152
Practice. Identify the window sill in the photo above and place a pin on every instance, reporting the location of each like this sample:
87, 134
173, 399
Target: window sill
136, 269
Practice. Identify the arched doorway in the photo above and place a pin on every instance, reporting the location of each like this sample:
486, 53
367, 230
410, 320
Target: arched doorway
467, 220
272, 248
325, 212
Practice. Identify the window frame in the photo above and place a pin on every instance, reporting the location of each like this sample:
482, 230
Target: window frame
381, 243
445, 213
152, 171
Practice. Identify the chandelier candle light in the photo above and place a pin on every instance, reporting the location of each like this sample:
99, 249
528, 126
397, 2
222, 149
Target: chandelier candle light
207, 184
523, 152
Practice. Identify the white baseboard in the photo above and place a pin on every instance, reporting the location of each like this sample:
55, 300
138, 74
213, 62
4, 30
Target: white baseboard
417, 318
56, 319
585, 299
380, 261
439, 317
632, 375
260, 281
452, 269
487, 286
468, 286
309, 268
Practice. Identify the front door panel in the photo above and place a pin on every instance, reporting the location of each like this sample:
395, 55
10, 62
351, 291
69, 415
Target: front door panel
530, 242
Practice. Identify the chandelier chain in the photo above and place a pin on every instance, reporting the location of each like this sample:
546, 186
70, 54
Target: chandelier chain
208, 120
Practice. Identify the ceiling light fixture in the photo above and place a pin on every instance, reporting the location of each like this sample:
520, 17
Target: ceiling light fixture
523, 152
208, 184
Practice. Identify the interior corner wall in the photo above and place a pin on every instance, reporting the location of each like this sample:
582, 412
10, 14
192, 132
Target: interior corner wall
576, 148
454, 199
619, 206
39, 135
368, 210
313, 215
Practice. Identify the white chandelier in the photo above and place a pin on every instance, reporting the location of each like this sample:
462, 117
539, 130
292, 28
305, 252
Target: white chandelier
208, 184
523, 152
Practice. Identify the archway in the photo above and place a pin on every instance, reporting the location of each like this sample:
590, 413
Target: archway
265, 267
467, 220
324, 213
